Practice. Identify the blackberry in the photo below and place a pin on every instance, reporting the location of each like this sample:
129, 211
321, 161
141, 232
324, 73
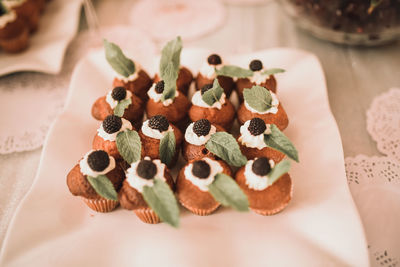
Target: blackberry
202, 127
257, 126
118, 93
214, 59
206, 88
256, 65
201, 169
159, 87
159, 122
98, 160
112, 124
146, 169
261, 166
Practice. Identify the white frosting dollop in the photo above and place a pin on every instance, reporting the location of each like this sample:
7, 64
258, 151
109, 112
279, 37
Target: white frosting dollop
157, 97
6, 18
249, 140
203, 184
254, 181
153, 133
259, 78
112, 102
273, 109
9, 4
86, 170
192, 138
137, 182
126, 125
207, 70
131, 77
197, 100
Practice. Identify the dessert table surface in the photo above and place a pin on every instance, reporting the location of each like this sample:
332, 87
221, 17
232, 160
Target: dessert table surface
354, 77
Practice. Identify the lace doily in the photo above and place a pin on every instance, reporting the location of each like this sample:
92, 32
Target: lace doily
31, 101
375, 181
383, 122
164, 20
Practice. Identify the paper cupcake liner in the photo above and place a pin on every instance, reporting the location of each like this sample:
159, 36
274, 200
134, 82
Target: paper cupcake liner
200, 212
147, 215
269, 212
101, 205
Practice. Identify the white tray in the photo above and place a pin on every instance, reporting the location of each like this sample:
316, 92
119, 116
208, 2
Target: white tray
57, 26
319, 227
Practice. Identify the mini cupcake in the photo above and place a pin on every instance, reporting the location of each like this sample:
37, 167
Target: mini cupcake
207, 74
174, 108
171, 55
132, 195
212, 104
183, 82
106, 136
27, 10
129, 74
260, 76
120, 102
261, 103
14, 34
160, 140
192, 185
268, 186
96, 171
258, 139
196, 136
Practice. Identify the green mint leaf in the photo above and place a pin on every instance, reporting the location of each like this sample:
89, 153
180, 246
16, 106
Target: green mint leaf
234, 72
170, 77
279, 141
129, 145
119, 110
225, 146
118, 61
226, 191
162, 201
103, 186
171, 53
214, 94
272, 71
280, 169
258, 98
167, 148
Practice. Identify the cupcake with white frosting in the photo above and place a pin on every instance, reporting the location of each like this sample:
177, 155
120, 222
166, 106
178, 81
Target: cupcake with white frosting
106, 136
160, 140
207, 74
140, 174
14, 34
192, 185
211, 103
175, 109
252, 140
261, 103
267, 185
94, 173
196, 136
258, 77
121, 101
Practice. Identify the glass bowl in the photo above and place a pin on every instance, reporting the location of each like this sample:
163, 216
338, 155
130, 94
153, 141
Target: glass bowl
352, 22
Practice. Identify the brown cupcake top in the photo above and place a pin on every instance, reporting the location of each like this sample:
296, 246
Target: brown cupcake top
269, 198
191, 195
129, 196
79, 185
